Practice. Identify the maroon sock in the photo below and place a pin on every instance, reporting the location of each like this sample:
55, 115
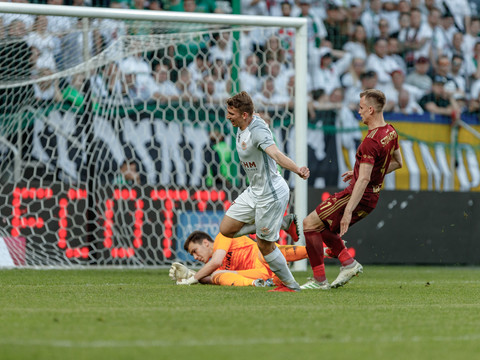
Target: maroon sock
345, 257
333, 241
314, 242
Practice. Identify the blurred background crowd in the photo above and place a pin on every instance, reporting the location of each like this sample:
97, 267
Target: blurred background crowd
422, 53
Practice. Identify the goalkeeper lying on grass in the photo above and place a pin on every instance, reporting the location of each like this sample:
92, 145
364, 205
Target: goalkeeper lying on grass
230, 261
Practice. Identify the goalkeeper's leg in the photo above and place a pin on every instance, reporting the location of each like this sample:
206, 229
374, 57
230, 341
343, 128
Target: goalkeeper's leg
229, 278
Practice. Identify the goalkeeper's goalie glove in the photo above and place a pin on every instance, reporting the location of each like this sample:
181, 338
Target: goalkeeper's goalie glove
190, 281
179, 272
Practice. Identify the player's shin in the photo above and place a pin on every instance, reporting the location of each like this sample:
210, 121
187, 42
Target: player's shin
277, 263
336, 244
314, 242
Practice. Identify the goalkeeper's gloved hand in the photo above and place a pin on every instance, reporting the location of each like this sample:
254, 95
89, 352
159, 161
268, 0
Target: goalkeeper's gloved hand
190, 281
179, 272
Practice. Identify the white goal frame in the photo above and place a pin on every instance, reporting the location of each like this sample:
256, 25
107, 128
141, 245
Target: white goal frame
300, 60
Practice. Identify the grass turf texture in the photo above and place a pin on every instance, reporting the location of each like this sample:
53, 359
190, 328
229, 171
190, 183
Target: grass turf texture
386, 313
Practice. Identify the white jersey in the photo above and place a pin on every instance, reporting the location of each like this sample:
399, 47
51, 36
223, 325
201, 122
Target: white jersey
261, 169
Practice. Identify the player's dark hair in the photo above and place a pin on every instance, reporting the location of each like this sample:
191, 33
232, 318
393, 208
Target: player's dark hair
196, 237
377, 96
241, 101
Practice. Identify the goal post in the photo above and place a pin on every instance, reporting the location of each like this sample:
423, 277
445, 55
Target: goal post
59, 202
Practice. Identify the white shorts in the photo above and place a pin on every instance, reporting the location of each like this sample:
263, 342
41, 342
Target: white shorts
266, 212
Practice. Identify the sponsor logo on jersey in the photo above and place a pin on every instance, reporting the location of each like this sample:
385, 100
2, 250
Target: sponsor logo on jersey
249, 164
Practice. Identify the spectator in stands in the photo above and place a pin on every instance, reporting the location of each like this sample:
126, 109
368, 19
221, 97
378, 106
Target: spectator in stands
398, 84
134, 90
384, 29
419, 76
352, 77
16, 63
381, 63
443, 68
471, 38
189, 91
58, 26
16, 55
72, 46
219, 160
448, 27
456, 46
109, 31
415, 39
269, 99
254, 7
461, 13
155, 5
471, 64
214, 92
280, 75
457, 75
403, 24
199, 68
439, 42
27, 20
316, 31
370, 19
41, 41
369, 81
394, 53
250, 75
164, 89
111, 77
336, 25
327, 75
273, 51
354, 14
128, 174
437, 101
287, 35
406, 105
357, 45
46, 91
74, 92
222, 48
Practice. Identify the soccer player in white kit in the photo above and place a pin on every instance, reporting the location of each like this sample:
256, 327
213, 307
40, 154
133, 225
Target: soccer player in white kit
265, 200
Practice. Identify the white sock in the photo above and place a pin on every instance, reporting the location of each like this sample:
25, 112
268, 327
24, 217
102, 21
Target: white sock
278, 265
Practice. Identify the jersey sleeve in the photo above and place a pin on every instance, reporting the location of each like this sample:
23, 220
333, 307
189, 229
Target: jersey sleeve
222, 243
261, 135
368, 151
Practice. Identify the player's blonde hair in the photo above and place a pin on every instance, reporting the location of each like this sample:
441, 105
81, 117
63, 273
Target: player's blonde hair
374, 98
241, 101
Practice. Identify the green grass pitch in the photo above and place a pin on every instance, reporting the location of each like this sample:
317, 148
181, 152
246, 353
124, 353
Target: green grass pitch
386, 313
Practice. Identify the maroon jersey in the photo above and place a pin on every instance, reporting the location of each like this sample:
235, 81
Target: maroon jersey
377, 149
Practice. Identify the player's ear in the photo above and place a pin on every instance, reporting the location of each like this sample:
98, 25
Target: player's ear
206, 243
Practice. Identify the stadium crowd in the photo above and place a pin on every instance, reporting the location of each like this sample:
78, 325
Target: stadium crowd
421, 53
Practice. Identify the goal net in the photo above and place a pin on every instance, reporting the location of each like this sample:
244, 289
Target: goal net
114, 143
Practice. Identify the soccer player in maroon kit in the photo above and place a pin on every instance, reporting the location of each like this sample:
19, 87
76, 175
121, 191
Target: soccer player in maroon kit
377, 155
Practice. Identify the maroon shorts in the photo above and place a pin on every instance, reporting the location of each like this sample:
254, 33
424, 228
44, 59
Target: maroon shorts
331, 210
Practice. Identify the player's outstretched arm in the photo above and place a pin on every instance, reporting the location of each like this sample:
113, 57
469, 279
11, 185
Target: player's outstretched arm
213, 264
179, 272
285, 162
364, 175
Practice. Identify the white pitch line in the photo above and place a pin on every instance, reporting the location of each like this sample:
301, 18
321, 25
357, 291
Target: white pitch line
233, 342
